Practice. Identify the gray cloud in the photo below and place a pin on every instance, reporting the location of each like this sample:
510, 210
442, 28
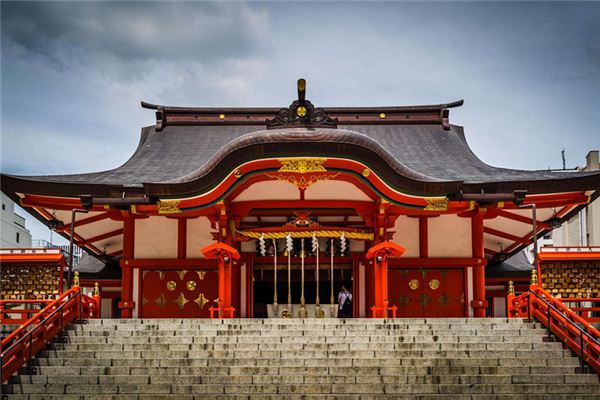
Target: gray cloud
136, 31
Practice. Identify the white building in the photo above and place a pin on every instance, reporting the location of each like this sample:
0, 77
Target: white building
584, 228
13, 233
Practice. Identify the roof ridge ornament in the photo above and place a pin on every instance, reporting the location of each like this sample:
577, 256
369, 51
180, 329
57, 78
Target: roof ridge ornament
302, 113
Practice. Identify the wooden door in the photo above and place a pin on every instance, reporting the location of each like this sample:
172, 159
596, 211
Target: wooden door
178, 293
427, 292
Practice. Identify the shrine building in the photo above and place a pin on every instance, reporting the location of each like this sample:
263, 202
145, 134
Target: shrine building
267, 212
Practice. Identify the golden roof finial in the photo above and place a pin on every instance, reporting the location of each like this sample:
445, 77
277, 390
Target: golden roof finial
301, 90
534, 277
511, 287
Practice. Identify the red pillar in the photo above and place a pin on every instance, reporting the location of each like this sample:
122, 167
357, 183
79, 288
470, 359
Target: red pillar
380, 253
479, 304
126, 304
225, 255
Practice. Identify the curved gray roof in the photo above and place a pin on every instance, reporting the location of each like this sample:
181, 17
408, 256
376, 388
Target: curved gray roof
438, 159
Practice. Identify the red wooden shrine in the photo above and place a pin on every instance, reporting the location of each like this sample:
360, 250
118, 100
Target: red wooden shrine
248, 212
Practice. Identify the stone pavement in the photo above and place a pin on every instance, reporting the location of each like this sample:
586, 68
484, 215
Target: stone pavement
440, 358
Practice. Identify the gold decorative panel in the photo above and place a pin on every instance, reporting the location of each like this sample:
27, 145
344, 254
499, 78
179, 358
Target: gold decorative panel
434, 284
302, 165
29, 282
413, 284
572, 279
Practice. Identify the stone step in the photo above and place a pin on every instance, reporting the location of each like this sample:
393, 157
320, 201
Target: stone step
346, 321
323, 359
337, 388
301, 354
188, 345
307, 371
310, 362
428, 396
300, 379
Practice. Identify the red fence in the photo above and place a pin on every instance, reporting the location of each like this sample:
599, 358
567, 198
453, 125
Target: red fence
572, 329
11, 315
20, 346
583, 306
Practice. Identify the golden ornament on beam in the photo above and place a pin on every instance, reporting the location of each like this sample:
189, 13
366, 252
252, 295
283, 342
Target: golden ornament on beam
302, 165
171, 285
168, 207
436, 204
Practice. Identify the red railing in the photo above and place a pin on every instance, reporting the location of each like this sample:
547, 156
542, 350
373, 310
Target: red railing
7, 313
221, 311
379, 312
584, 311
572, 329
20, 346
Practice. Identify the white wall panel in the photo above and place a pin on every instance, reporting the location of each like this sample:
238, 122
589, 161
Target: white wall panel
156, 237
199, 235
407, 235
449, 236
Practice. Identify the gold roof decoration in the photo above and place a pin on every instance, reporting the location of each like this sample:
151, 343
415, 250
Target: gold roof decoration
302, 165
168, 207
436, 204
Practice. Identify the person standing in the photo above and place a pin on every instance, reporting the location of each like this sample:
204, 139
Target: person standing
345, 303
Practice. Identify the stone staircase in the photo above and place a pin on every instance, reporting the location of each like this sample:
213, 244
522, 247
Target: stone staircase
301, 359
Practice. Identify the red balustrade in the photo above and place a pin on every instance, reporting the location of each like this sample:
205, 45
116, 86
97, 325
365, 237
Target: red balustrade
378, 312
579, 306
12, 313
20, 346
568, 326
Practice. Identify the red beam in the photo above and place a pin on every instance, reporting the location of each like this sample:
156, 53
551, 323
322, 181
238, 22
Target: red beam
103, 236
433, 262
170, 263
504, 235
520, 218
244, 208
85, 221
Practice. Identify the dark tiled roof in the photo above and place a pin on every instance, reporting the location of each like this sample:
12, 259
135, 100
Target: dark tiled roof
515, 266
90, 267
417, 158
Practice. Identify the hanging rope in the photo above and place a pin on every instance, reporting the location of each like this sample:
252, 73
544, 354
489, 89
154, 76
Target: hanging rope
306, 234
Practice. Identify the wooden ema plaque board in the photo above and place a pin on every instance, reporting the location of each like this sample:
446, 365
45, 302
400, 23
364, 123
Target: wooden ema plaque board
427, 292
179, 293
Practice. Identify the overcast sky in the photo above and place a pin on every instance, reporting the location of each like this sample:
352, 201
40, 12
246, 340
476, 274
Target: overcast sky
73, 74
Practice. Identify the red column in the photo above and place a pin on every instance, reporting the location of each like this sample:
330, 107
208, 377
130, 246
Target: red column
126, 304
227, 284
380, 253
479, 304
225, 255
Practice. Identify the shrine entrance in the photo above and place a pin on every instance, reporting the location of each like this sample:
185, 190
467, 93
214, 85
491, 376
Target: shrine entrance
428, 292
264, 288
178, 293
